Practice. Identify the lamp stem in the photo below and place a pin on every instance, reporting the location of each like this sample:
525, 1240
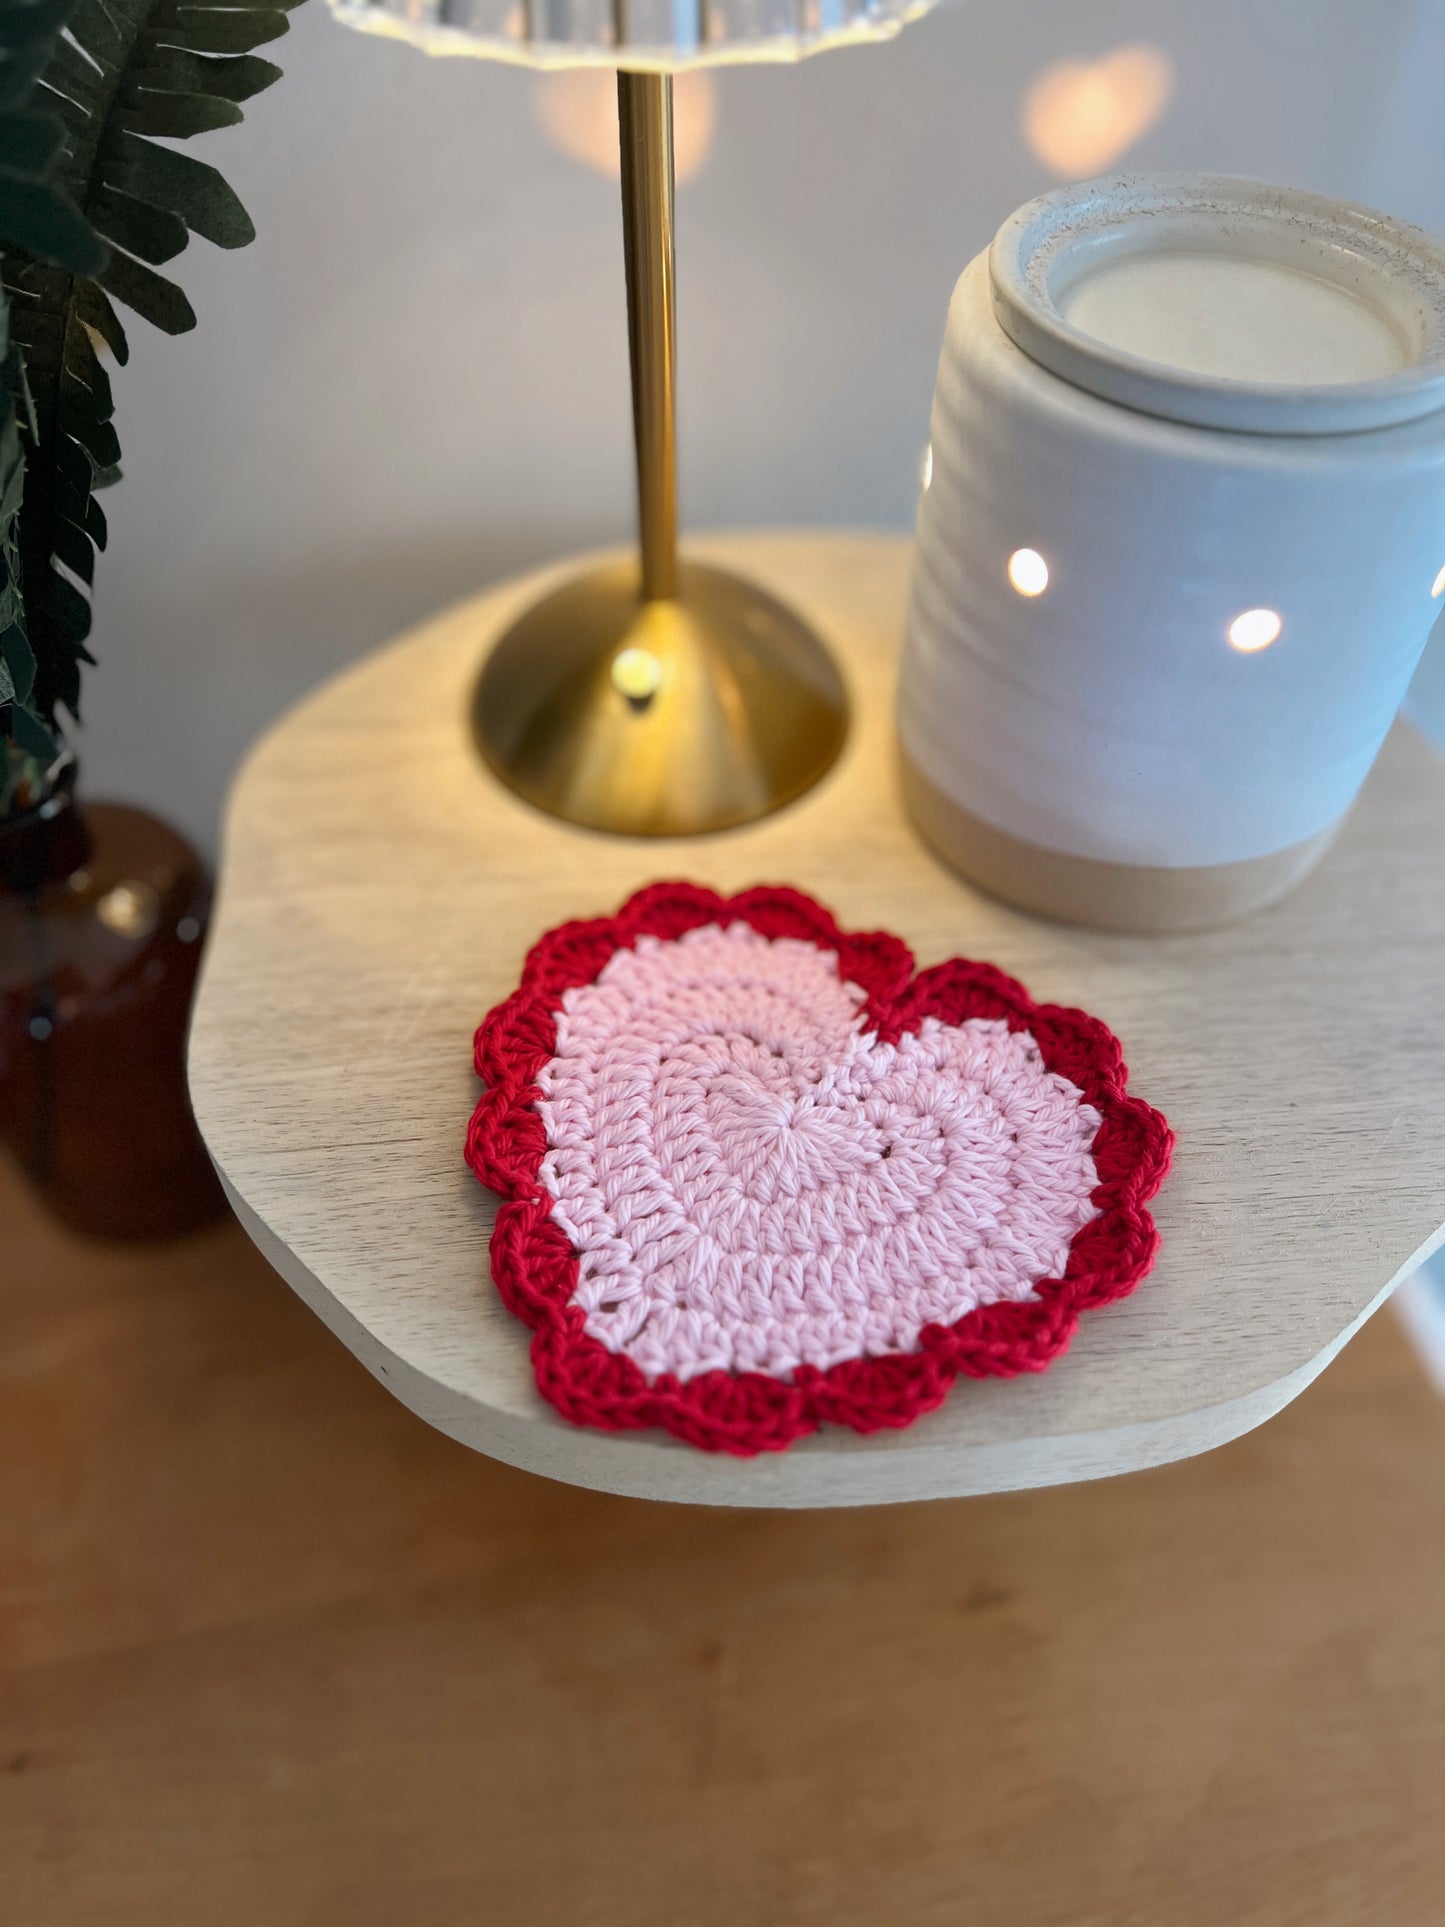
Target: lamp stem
644, 112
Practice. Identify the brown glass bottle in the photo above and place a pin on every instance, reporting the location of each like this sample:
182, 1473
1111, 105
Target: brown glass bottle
102, 916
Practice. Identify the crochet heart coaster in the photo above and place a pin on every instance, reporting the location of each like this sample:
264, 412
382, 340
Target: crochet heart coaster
760, 1175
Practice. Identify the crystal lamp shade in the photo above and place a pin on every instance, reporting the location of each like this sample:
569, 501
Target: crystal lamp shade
656, 35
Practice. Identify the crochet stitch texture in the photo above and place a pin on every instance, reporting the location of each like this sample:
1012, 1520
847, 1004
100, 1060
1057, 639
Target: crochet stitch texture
759, 1175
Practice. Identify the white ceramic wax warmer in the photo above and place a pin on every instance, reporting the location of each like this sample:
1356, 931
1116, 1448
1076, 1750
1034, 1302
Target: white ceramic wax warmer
1182, 545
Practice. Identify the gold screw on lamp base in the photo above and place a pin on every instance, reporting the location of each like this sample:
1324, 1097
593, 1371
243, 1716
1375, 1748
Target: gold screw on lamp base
662, 718
668, 699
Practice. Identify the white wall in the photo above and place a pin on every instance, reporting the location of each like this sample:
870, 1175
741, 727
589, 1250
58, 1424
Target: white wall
416, 379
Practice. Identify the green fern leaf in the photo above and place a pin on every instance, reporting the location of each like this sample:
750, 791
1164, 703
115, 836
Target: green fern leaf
149, 233
29, 143
175, 116
96, 31
96, 103
227, 77
45, 229
36, 216
99, 318
160, 301
207, 30
203, 199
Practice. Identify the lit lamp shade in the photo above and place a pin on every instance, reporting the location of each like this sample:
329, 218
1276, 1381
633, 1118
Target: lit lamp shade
642, 35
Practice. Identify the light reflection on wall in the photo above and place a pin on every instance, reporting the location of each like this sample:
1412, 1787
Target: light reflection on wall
577, 111
1081, 116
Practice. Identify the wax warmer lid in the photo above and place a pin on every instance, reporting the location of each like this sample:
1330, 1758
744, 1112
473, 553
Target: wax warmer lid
1043, 254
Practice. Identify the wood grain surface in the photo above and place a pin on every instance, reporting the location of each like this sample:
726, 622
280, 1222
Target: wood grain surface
379, 891
275, 1654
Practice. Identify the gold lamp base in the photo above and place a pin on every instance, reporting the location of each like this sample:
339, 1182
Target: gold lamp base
659, 718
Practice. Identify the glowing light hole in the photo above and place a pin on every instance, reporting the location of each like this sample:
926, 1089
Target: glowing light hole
637, 675
1028, 572
1255, 629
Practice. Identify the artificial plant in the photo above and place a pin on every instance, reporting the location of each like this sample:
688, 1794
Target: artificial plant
90, 206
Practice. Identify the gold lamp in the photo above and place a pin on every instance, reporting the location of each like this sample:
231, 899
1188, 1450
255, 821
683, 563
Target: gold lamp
664, 697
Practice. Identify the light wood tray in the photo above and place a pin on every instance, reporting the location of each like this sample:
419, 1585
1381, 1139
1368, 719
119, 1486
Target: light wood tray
377, 895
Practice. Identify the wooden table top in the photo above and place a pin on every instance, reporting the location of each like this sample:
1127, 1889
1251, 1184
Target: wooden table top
273, 1653
379, 890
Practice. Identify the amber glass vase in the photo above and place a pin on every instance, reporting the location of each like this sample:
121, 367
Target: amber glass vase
102, 915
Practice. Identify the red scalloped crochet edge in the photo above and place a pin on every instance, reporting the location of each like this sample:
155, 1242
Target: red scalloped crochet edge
535, 1268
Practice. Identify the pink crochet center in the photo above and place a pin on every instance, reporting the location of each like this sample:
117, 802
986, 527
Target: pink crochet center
752, 1181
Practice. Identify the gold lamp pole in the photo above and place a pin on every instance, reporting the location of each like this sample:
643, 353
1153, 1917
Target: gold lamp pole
644, 121
672, 698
